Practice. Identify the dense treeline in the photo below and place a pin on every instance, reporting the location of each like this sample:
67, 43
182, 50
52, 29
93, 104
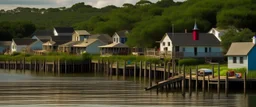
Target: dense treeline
147, 21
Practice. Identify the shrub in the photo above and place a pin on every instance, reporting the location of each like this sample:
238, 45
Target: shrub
15, 53
190, 61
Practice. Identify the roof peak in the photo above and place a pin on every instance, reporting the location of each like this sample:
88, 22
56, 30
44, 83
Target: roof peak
195, 26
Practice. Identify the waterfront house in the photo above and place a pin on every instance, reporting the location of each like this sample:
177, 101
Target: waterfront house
63, 31
114, 49
42, 35
90, 46
54, 42
120, 36
190, 45
217, 32
25, 45
5, 46
80, 35
242, 55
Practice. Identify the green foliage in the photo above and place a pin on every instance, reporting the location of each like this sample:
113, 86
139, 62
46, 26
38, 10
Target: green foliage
191, 61
232, 35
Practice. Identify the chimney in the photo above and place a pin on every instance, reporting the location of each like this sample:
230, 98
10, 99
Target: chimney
195, 32
254, 39
186, 31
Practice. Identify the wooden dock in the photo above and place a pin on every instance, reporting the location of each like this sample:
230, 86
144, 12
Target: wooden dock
170, 80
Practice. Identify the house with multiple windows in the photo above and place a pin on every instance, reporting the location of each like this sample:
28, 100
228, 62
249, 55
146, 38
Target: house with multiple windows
242, 55
191, 45
120, 36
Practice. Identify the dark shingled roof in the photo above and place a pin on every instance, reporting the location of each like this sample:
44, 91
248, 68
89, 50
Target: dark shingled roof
44, 37
24, 41
64, 29
103, 37
5, 43
122, 33
43, 33
61, 38
60, 42
185, 39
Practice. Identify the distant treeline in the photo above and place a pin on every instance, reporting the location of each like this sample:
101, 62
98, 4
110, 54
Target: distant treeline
147, 21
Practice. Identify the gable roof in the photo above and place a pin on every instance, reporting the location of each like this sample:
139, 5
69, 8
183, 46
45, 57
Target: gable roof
82, 32
185, 39
122, 33
61, 38
64, 29
114, 45
5, 43
70, 43
24, 41
103, 37
43, 33
87, 43
240, 48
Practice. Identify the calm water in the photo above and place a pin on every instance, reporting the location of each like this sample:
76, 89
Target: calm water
88, 90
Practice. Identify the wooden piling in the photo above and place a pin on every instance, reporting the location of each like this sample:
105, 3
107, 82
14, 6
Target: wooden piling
53, 66
140, 73
164, 76
16, 65
203, 82
9, 65
98, 70
35, 67
145, 70
226, 84
110, 68
196, 79
149, 75
24, 64
218, 84
190, 80
117, 69
4, 64
168, 69
245, 76
73, 66
65, 66
58, 67
183, 81
154, 71
208, 86
212, 71
124, 70
135, 70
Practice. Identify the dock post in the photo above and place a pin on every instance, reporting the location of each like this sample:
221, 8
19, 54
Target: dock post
135, 70
164, 76
117, 69
9, 65
95, 67
35, 65
154, 71
124, 70
30, 65
44, 65
58, 67
245, 76
149, 75
168, 70
98, 66
4, 64
226, 84
110, 68
65, 66
16, 65
53, 67
140, 74
183, 82
203, 82
24, 64
208, 86
196, 79
190, 81
212, 71
218, 85
145, 72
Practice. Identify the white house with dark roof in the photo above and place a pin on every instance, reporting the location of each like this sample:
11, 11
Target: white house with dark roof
63, 31
191, 45
120, 36
25, 45
242, 55
217, 32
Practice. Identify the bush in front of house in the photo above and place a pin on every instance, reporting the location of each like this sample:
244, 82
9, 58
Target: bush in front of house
191, 61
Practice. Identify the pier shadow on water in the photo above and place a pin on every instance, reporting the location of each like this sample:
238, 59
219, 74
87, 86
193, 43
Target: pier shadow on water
41, 89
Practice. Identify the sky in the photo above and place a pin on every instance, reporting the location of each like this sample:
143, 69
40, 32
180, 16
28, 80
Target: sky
11, 4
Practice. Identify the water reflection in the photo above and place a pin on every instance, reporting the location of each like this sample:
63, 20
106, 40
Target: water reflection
23, 89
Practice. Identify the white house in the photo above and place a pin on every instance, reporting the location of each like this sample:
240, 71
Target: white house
21, 45
217, 32
120, 36
80, 35
90, 46
242, 55
191, 45
63, 31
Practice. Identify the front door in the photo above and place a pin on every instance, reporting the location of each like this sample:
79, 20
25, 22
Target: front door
195, 51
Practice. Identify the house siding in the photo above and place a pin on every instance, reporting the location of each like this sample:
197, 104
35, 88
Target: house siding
166, 40
189, 51
237, 64
252, 59
38, 45
94, 47
116, 38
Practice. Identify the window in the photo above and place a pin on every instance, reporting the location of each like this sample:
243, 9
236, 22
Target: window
177, 48
210, 49
114, 40
169, 44
241, 60
234, 59
163, 43
184, 49
205, 49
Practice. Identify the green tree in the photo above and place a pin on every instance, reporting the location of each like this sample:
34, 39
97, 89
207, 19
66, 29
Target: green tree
232, 35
